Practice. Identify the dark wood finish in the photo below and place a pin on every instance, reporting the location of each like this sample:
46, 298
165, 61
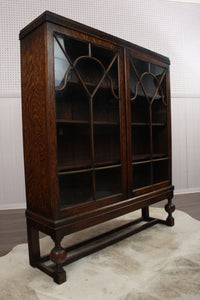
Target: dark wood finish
13, 223
58, 256
170, 208
33, 243
48, 16
97, 135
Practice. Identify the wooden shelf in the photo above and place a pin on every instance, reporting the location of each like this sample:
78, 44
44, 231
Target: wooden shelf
74, 165
105, 123
140, 124
148, 124
150, 160
89, 84
159, 155
112, 162
159, 124
141, 162
64, 121
160, 158
78, 171
140, 157
87, 165
82, 122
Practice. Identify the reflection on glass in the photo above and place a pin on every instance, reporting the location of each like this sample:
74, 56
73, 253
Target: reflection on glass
156, 70
150, 85
140, 66
61, 64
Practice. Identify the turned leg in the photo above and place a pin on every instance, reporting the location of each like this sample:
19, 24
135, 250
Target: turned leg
170, 208
58, 256
33, 244
145, 213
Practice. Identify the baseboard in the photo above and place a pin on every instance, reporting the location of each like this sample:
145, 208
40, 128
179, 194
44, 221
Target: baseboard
187, 191
12, 206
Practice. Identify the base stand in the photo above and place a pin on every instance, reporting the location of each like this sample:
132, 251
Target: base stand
60, 256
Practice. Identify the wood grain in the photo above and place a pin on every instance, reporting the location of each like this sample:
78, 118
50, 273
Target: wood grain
13, 223
34, 122
59, 206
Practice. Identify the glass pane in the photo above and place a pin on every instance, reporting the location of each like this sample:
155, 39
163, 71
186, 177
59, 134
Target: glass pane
106, 144
133, 82
140, 66
164, 90
159, 112
159, 71
90, 71
136, 89
74, 48
105, 106
150, 85
160, 141
72, 103
104, 55
160, 171
141, 142
73, 146
113, 77
108, 182
84, 80
75, 189
156, 70
61, 65
140, 113
141, 175
140, 110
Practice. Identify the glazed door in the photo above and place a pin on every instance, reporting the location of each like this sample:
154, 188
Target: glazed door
147, 125
89, 109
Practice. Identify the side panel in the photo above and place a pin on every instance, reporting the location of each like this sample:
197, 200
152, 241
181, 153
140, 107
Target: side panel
34, 121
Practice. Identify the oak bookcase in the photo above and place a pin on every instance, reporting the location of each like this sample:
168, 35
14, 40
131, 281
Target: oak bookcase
97, 135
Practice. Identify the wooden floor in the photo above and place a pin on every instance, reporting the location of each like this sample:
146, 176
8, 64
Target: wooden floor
13, 225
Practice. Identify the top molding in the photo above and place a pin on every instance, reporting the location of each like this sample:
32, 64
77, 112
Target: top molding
48, 16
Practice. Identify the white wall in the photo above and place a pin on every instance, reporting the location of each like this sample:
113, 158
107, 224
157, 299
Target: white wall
170, 28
